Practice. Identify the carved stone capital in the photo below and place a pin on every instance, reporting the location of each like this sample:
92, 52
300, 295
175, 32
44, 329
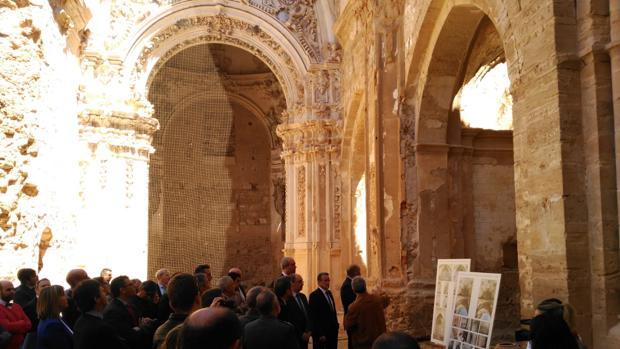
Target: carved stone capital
309, 138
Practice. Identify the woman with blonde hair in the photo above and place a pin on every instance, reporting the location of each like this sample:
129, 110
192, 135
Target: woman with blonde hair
52, 332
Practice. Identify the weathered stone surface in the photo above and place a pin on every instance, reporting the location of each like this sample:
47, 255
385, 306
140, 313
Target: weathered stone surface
362, 145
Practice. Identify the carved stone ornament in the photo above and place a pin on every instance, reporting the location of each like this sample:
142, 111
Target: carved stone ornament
224, 30
301, 201
299, 17
309, 138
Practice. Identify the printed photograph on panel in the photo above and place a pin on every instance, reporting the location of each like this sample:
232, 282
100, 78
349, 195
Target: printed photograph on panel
486, 299
438, 330
447, 272
463, 296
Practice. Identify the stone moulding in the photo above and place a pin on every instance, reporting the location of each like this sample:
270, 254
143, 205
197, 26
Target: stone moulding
119, 121
222, 28
309, 138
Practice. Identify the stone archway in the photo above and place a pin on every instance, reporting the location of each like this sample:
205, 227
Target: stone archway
457, 214
307, 126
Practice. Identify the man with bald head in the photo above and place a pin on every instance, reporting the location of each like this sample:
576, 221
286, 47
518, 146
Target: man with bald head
12, 317
71, 314
214, 328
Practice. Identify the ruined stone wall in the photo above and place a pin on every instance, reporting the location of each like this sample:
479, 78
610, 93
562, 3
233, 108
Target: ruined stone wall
39, 200
538, 40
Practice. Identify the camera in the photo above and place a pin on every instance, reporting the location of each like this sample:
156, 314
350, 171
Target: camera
228, 303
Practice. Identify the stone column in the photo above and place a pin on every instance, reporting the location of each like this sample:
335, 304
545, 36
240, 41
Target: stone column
614, 54
114, 191
310, 152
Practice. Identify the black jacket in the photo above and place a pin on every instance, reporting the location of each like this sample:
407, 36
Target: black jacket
323, 318
91, 332
269, 333
299, 317
24, 295
347, 296
117, 315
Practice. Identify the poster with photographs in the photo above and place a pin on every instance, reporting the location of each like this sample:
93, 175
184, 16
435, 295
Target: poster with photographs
447, 269
473, 310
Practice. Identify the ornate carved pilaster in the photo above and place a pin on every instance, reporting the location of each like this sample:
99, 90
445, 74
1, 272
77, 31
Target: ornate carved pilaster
310, 152
114, 165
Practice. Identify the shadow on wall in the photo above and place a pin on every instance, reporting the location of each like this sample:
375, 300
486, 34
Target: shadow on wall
210, 187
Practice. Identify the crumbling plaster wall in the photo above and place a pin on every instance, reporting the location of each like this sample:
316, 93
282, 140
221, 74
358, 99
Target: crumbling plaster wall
39, 179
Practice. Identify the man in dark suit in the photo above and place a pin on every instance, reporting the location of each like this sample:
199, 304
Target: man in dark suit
282, 290
323, 315
25, 292
71, 314
347, 296
267, 331
90, 331
124, 317
252, 313
287, 266
299, 311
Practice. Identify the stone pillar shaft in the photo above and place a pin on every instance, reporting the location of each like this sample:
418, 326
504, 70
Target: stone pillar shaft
312, 227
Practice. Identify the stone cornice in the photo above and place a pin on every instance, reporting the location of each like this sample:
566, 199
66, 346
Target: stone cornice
315, 137
118, 121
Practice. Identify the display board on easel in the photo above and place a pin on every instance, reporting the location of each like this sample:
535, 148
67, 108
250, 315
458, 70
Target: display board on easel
473, 310
445, 285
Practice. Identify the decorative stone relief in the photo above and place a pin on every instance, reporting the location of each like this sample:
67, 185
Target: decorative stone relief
225, 30
299, 17
325, 87
337, 203
125, 15
301, 201
310, 138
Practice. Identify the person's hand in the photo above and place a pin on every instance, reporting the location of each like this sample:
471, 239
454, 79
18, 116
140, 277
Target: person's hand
146, 321
216, 302
306, 336
322, 339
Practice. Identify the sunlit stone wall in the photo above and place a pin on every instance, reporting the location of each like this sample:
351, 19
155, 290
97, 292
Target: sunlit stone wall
39, 179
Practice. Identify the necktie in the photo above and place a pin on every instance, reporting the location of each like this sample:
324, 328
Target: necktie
301, 304
328, 294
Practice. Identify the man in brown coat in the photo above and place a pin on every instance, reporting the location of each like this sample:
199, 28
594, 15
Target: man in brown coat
365, 319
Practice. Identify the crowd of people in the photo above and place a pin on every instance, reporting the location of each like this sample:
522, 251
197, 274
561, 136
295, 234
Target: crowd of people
183, 311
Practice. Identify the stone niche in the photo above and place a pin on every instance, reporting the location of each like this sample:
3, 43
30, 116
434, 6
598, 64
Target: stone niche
211, 175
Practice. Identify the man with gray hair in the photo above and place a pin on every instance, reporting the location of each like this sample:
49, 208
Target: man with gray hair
287, 267
365, 319
163, 277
